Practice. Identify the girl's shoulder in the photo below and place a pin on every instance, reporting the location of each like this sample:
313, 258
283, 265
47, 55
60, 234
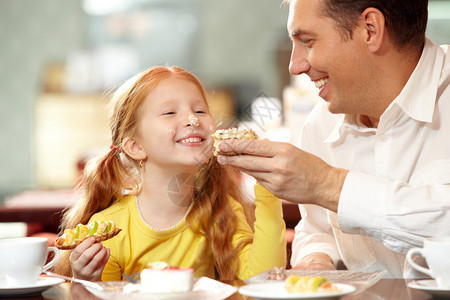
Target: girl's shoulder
117, 210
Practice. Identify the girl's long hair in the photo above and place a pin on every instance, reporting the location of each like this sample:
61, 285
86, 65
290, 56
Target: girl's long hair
214, 184
106, 177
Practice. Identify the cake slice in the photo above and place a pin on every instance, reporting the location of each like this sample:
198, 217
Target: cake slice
231, 133
159, 277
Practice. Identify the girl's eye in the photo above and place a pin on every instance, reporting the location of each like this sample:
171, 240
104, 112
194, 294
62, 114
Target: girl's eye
169, 113
200, 112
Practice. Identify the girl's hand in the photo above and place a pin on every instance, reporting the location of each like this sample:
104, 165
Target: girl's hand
88, 260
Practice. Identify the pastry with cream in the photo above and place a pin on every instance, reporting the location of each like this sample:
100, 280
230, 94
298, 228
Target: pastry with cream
231, 133
100, 230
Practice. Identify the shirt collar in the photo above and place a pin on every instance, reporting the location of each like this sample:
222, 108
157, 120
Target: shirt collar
417, 99
346, 121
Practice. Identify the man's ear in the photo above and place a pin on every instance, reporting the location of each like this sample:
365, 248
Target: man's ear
374, 28
134, 149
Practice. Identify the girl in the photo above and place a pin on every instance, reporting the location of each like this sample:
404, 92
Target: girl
174, 202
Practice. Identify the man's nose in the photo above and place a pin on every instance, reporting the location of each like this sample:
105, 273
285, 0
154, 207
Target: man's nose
299, 63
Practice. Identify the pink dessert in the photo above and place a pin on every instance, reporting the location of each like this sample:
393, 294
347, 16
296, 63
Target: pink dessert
159, 277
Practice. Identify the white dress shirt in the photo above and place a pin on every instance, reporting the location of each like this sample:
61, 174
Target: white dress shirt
398, 189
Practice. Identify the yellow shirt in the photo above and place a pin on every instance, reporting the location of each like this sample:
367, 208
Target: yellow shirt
138, 244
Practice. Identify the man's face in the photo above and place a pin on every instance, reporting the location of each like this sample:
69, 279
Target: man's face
334, 63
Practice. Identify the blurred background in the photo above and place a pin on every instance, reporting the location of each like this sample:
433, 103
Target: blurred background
59, 60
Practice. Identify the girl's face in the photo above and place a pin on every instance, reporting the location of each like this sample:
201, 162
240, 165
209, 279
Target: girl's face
175, 126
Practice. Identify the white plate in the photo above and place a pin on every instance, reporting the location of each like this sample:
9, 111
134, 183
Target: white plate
204, 288
429, 286
41, 285
277, 291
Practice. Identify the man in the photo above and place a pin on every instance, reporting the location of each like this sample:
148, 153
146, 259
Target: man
372, 170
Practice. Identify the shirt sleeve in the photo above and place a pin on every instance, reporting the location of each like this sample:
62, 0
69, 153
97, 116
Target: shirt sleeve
313, 234
395, 213
268, 249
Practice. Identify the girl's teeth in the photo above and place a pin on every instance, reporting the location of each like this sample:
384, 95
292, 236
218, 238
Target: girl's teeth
191, 140
320, 83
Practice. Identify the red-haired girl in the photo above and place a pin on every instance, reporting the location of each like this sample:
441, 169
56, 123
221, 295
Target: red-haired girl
161, 184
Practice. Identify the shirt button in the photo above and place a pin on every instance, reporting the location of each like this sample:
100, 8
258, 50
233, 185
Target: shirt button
383, 138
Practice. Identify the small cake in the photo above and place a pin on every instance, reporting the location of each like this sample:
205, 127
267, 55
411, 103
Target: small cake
307, 284
159, 277
231, 133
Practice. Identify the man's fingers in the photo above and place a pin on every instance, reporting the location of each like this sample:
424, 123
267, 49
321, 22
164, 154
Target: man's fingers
253, 147
246, 162
261, 177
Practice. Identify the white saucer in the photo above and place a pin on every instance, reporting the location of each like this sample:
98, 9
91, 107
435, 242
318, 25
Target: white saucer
277, 291
429, 286
41, 285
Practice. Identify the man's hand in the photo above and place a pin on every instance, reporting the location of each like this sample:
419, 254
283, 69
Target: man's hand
285, 170
315, 261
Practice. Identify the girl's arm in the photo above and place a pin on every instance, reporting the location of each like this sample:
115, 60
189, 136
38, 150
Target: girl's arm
268, 249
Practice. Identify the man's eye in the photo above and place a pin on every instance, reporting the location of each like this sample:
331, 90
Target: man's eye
306, 43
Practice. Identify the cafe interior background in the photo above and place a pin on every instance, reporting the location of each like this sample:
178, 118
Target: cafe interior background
60, 60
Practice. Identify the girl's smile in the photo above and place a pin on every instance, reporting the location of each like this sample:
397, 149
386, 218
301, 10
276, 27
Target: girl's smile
192, 140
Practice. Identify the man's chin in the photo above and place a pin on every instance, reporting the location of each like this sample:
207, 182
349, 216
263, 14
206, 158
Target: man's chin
332, 108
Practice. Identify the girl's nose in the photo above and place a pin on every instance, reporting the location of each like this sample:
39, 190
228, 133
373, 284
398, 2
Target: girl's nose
192, 121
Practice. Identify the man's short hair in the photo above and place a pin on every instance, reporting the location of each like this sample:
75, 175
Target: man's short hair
406, 20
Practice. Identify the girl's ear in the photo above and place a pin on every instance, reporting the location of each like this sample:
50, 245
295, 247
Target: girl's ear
134, 149
374, 28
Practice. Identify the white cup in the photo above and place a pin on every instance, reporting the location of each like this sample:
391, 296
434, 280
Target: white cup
23, 259
436, 252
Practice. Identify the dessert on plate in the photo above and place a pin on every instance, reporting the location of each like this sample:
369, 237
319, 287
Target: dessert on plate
307, 284
159, 277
